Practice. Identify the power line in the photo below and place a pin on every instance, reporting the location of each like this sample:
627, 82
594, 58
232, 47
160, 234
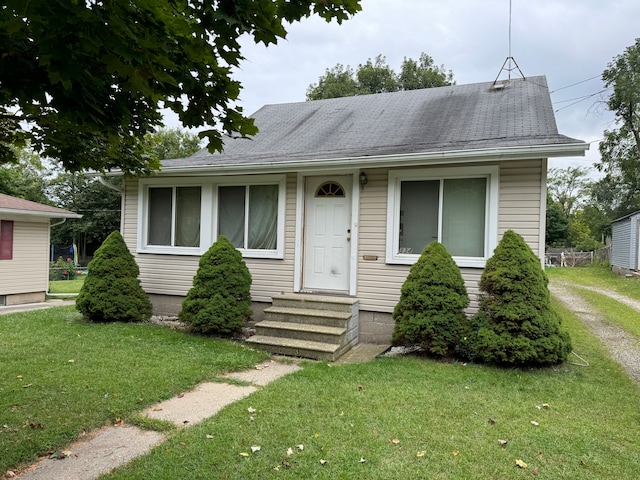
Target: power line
574, 84
581, 100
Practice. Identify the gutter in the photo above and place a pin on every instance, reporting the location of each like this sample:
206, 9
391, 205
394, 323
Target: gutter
406, 160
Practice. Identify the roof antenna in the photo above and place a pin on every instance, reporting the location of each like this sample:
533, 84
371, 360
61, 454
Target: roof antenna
509, 62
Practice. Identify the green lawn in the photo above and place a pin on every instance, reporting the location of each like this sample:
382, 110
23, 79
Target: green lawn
66, 286
62, 376
597, 276
417, 418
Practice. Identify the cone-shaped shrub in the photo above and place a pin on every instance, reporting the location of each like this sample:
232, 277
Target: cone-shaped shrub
111, 291
430, 312
220, 299
517, 325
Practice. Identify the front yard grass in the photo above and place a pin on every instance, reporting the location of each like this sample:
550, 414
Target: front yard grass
66, 286
62, 376
417, 418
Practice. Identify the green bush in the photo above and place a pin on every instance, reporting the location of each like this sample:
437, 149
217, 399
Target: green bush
62, 269
430, 312
220, 299
516, 323
111, 291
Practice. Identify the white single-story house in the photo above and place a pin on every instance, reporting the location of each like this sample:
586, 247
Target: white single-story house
625, 243
24, 248
334, 200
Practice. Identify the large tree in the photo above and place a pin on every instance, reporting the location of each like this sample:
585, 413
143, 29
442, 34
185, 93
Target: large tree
85, 80
620, 150
379, 77
26, 178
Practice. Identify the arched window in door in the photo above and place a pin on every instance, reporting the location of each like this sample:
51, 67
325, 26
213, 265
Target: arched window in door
330, 189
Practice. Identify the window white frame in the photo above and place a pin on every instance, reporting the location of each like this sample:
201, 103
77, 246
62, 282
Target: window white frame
279, 180
208, 212
396, 177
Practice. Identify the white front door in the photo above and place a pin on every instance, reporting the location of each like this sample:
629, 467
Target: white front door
327, 234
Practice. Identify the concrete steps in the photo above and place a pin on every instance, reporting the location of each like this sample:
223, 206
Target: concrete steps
312, 326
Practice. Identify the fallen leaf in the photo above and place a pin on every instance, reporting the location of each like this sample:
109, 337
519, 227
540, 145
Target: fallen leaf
540, 454
535, 472
180, 395
10, 474
545, 405
502, 442
300, 447
71, 361
316, 435
322, 461
362, 460
421, 453
251, 410
286, 464
209, 436
252, 418
255, 448
27, 385
492, 421
360, 388
244, 454
276, 468
289, 451
19, 376
521, 464
395, 441
456, 453
156, 409
534, 423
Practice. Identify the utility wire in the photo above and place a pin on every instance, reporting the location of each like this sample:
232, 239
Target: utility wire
581, 100
574, 84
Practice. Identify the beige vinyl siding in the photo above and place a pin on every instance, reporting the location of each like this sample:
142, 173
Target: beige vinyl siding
378, 286
521, 192
173, 274
28, 271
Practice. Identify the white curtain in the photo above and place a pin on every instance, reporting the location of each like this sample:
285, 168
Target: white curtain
463, 216
187, 217
263, 217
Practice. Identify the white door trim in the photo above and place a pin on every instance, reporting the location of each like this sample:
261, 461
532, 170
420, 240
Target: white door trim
299, 235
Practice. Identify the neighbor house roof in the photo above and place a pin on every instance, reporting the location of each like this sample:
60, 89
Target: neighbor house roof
17, 206
515, 117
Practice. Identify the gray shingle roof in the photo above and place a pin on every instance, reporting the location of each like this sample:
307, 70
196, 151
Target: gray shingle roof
459, 117
14, 205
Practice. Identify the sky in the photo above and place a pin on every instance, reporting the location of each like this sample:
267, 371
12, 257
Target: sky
569, 41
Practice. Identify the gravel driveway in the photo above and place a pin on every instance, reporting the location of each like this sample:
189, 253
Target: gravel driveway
624, 347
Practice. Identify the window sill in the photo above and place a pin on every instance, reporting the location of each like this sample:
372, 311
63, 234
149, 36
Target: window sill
462, 262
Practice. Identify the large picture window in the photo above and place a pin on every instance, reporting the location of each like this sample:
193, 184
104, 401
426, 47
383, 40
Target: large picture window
248, 216
174, 216
186, 219
457, 207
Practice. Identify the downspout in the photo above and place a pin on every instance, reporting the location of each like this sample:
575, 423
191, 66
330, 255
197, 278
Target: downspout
102, 180
120, 190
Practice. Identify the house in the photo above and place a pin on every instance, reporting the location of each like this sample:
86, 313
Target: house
24, 249
625, 243
334, 200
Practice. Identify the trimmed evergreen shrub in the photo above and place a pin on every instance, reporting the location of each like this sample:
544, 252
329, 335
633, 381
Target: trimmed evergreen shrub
516, 323
220, 299
430, 312
111, 291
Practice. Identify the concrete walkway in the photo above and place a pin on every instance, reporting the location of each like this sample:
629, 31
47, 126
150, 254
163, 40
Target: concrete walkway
111, 447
